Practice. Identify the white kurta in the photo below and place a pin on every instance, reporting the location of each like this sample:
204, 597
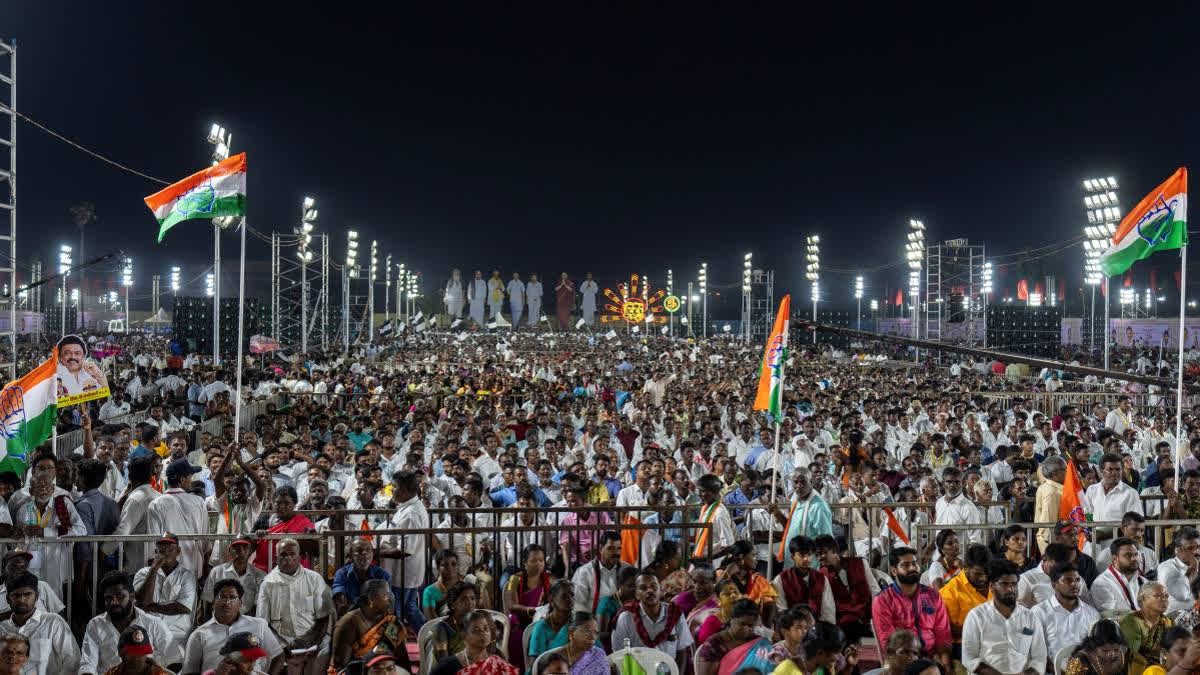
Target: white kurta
454, 298
495, 297
203, 652
477, 293
134, 520
1009, 645
52, 648
533, 292
53, 561
292, 604
516, 300
177, 587
589, 289
99, 651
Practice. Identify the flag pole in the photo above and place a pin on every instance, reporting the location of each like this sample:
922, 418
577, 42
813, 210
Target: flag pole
1179, 437
237, 402
775, 468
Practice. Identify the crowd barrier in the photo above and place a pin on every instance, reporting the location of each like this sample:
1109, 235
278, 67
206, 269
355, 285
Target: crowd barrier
1049, 403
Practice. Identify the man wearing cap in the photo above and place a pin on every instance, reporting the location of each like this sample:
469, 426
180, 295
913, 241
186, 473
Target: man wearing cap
208, 643
100, 639
136, 654
178, 510
16, 563
52, 648
239, 655
166, 589
239, 568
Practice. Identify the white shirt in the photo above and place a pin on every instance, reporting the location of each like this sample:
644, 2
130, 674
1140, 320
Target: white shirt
1117, 421
1033, 587
250, 581
1109, 595
625, 629
1062, 627
177, 587
584, 581
1172, 574
180, 512
100, 642
110, 410
293, 604
134, 520
959, 511
1111, 505
204, 645
52, 648
1009, 645
47, 601
409, 570
1147, 559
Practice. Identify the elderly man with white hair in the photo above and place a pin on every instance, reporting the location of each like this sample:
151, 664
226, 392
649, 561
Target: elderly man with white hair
297, 604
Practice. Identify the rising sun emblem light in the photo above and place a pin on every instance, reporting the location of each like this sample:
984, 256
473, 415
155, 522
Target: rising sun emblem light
633, 304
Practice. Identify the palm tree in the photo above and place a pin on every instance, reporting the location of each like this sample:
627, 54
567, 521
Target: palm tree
82, 213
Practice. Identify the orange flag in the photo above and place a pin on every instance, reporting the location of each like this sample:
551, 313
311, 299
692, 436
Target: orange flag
1070, 507
895, 527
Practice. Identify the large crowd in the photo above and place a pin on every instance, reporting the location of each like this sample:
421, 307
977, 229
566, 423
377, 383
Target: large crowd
575, 503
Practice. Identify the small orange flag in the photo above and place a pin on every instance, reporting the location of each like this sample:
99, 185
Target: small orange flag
1070, 507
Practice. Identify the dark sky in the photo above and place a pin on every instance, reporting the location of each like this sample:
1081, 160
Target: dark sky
612, 139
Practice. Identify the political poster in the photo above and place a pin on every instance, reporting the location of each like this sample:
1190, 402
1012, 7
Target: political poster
79, 379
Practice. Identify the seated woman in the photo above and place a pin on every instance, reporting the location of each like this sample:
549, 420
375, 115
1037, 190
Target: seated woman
433, 599
667, 565
728, 595
479, 656
823, 651
551, 632
753, 585
461, 599
581, 655
701, 602
738, 646
1174, 648
1013, 547
1144, 628
948, 564
525, 591
1102, 652
610, 605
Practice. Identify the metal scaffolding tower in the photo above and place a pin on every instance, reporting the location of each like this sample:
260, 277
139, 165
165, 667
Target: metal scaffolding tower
299, 291
955, 300
762, 304
8, 175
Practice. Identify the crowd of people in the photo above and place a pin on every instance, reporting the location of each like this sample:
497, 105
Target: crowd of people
536, 503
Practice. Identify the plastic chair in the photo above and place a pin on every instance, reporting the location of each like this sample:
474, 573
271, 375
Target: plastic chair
425, 645
1062, 657
647, 658
502, 641
525, 639
537, 663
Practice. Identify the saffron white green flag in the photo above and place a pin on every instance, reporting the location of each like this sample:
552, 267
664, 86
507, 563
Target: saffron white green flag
770, 379
219, 190
1157, 223
29, 406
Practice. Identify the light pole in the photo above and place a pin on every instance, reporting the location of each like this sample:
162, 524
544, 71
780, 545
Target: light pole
915, 254
858, 293
387, 294
671, 291
402, 290
64, 269
986, 291
1103, 213
175, 282
347, 273
127, 282
704, 298
874, 313
371, 292
209, 286
812, 272
308, 215
747, 264
221, 140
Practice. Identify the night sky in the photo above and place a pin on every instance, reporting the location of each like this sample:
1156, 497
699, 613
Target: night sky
610, 139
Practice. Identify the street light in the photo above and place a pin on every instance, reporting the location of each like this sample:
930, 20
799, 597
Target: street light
1103, 213
858, 293
348, 272
175, 280
704, 297
127, 282
209, 285
914, 252
747, 264
222, 140
64, 269
308, 216
812, 272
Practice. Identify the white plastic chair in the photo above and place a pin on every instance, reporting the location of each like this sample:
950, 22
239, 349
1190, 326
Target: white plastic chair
1061, 659
537, 663
425, 645
647, 658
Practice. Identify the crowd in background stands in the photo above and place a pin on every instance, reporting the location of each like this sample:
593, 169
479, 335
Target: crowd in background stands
649, 432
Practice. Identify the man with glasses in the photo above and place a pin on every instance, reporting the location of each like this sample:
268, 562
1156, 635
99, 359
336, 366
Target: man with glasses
206, 644
1001, 636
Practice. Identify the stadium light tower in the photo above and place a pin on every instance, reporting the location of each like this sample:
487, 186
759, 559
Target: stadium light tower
812, 272
64, 269
221, 139
1103, 213
704, 297
308, 216
175, 278
747, 264
858, 293
374, 271
127, 282
348, 271
914, 252
209, 286
387, 294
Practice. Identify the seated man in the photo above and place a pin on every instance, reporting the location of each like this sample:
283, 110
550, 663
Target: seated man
1115, 590
802, 585
1133, 525
349, 578
1034, 587
16, 562
852, 585
167, 590
53, 648
136, 654
239, 567
653, 623
370, 626
205, 645
1001, 636
1178, 574
298, 606
1066, 618
598, 578
967, 590
909, 605
104, 631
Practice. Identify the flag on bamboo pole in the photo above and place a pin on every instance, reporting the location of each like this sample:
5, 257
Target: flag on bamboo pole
219, 190
1157, 223
770, 379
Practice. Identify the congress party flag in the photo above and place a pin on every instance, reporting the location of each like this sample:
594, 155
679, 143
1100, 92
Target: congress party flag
219, 190
1157, 223
770, 379
29, 406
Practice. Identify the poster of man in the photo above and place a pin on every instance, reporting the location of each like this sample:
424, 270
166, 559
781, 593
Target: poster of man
79, 378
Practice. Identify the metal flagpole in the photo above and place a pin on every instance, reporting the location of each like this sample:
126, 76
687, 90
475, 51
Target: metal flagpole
237, 405
1181, 444
778, 425
1107, 302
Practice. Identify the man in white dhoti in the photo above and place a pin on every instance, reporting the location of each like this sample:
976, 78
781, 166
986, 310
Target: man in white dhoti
495, 297
298, 605
516, 298
477, 295
533, 295
454, 295
589, 290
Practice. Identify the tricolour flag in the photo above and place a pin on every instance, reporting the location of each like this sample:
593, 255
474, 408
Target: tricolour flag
1070, 507
219, 190
29, 406
1157, 223
770, 379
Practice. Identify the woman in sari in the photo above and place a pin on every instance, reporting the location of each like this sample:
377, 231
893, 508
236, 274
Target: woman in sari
738, 646
526, 590
462, 599
948, 565
285, 520
700, 602
1144, 628
1102, 652
551, 632
667, 566
583, 656
728, 594
433, 598
754, 586
478, 657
